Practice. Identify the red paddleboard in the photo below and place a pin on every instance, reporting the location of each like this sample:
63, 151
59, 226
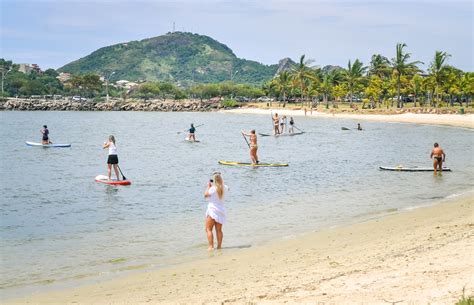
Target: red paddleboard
104, 179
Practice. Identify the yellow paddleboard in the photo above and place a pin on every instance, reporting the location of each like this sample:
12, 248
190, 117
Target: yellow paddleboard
233, 163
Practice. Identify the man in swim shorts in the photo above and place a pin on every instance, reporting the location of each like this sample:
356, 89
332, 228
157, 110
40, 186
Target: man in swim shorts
438, 156
45, 140
276, 124
191, 135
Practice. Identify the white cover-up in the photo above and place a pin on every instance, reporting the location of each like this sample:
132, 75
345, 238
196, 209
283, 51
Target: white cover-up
215, 207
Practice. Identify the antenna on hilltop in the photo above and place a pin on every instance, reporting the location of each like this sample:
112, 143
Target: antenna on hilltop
174, 26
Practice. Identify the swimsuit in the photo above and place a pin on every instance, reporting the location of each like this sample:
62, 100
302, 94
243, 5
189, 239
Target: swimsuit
440, 159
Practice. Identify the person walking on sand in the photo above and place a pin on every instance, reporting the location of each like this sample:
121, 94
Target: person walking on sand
276, 123
253, 145
113, 158
292, 124
45, 139
439, 157
192, 130
215, 213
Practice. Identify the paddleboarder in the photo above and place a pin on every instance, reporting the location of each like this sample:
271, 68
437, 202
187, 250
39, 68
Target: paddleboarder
253, 145
438, 156
191, 135
113, 158
276, 123
359, 127
292, 123
45, 139
215, 213
283, 124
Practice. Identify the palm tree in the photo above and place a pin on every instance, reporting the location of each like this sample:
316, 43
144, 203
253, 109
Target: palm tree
437, 69
282, 84
401, 66
416, 85
302, 72
379, 66
353, 76
329, 80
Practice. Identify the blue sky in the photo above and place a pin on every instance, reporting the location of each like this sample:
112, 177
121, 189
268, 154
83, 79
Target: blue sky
52, 33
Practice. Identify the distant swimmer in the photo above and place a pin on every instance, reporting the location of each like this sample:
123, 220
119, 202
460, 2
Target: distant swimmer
215, 213
45, 132
253, 145
276, 123
439, 157
112, 160
191, 135
359, 127
292, 124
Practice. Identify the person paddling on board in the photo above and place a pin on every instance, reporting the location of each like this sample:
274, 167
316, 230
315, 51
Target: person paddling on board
45, 140
283, 124
253, 145
439, 157
276, 123
192, 130
292, 124
359, 127
113, 158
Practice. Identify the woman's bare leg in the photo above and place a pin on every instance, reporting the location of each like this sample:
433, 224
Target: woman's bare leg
109, 170
209, 226
116, 172
219, 235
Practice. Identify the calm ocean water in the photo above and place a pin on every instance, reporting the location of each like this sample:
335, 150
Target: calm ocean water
58, 227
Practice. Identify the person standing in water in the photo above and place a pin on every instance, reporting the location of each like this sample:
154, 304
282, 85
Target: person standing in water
292, 123
215, 213
192, 130
45, 132
113, 158
359, 127
276, 124
439, 157
283, 124
253, 145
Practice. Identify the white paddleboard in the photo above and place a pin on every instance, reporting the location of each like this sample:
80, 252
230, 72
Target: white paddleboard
46, 145
187, 139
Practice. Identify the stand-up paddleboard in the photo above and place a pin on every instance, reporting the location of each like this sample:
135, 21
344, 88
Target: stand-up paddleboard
104, 179
233, 163
412, 169
187, 139
281, 135
46, 145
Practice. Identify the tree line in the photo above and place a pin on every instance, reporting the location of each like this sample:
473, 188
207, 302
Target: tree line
382, 82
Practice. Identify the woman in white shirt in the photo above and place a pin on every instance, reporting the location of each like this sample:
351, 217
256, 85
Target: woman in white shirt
113, 158
215, 214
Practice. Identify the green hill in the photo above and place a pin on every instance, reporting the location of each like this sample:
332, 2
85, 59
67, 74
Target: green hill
184, 58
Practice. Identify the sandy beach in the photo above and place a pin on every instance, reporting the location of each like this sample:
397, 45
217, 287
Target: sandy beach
413, 257
466, 120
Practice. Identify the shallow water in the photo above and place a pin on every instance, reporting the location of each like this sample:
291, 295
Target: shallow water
58, 226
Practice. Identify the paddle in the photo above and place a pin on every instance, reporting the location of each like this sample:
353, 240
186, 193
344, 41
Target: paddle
245, 138
123, 177
188, 129
297, 128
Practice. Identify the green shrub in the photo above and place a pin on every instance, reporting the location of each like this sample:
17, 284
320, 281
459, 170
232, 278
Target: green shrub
229, 103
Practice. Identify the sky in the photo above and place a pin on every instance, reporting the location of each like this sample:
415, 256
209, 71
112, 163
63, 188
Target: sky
52, 33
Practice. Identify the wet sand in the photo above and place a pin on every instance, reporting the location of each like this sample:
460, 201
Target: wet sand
413, 257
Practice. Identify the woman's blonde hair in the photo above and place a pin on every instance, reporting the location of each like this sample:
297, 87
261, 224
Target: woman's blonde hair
112, 139
219, 184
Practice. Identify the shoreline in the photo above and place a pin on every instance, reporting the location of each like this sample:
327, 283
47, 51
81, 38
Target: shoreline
417, 256
455, 120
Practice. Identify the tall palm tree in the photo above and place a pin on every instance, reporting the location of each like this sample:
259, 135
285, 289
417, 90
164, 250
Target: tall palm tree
302, 72
282, 84
328, 80
353, 76
401, 66
379, 66
437, 69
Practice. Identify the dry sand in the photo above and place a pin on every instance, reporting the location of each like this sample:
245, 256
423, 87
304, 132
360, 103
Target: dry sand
465, 120
414, 257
